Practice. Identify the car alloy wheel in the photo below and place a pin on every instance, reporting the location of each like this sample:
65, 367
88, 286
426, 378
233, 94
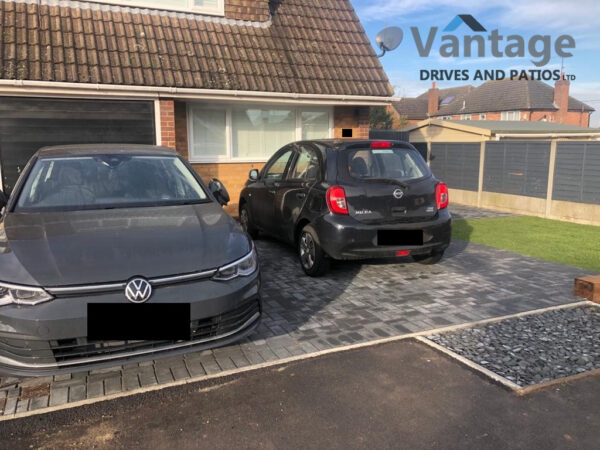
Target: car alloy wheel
307, 250
246, 222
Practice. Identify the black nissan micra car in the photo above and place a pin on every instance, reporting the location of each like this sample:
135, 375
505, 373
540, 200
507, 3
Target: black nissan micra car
349, 199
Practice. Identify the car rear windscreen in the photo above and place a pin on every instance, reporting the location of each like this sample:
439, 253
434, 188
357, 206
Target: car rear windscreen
401, 164
108, 181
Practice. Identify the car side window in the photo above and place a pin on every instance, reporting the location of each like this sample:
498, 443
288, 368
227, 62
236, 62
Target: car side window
306, 166
276, 169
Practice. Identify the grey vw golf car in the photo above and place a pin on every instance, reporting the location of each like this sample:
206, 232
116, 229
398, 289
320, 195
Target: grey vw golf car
118, 252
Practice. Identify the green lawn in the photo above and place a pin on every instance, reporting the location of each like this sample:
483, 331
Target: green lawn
561, 242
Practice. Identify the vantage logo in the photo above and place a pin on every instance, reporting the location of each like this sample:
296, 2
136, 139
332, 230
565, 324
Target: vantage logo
538, 47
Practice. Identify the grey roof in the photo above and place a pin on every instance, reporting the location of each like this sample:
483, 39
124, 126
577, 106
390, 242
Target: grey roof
412, 108
522, 126
457, 92
508, 95
416, 108
103, 149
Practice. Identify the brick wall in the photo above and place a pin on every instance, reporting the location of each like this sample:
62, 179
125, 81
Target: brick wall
253, 10
167, 123
233, 176
181, 135
577, 118
352, 117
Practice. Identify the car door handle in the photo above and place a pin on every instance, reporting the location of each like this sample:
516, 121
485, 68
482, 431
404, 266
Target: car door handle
300, 195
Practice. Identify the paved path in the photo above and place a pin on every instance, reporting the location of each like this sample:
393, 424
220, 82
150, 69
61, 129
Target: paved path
396, 396
354, 303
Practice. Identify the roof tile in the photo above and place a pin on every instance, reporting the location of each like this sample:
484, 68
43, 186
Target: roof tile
308, 47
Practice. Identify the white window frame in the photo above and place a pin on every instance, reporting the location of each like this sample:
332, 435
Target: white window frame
218, 11
465, 117
228, 157
505, 114
482, 116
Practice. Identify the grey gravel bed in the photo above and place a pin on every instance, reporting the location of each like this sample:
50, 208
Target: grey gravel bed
533, 349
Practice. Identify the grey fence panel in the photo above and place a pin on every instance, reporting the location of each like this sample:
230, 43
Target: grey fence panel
456, 164
518, 168
577, 172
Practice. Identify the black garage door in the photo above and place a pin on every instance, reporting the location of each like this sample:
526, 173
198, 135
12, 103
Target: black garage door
27, 124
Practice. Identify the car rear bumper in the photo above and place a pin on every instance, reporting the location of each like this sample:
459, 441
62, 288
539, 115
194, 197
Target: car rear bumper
343, 237
51, 337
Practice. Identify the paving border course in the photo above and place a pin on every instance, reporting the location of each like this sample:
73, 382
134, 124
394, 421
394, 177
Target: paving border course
420, 336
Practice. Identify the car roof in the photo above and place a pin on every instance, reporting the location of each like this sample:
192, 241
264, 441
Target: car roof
103, 149
338, 144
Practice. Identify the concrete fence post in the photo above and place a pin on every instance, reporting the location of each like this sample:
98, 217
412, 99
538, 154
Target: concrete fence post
481, 169
429, 153
550, 178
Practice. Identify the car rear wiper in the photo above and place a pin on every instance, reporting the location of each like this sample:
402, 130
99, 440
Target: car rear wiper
387, 180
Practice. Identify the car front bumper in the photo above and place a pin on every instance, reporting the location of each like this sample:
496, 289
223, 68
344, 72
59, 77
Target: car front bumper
51, 337
343, 237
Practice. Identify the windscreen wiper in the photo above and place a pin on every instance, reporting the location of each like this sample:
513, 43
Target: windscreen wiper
387, 180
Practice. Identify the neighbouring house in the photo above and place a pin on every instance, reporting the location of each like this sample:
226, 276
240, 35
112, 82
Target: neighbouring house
496, 100
224, 82
414, 110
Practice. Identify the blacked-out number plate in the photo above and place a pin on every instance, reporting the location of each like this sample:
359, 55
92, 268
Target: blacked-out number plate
400, 237
130, 321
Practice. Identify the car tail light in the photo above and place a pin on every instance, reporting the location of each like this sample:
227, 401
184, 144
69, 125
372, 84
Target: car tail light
403, 253
381, 144
441, 195
336, 200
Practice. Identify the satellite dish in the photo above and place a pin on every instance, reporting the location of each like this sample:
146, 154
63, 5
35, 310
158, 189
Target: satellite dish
389, 39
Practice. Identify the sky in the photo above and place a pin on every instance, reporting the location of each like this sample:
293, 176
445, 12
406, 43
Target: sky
523, 17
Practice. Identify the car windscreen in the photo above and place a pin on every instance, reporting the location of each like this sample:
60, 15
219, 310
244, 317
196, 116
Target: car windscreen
403, 164
108, 181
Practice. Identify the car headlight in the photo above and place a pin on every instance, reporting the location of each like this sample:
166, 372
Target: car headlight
22, 295
240, 268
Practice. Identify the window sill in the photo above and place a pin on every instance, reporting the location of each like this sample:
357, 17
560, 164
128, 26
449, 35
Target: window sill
220, 12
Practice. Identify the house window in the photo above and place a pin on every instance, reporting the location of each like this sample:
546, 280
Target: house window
465, 117
482, 116
257, 133
446, 117
315, 124
251, 132
212, 7
210, 137
510, 115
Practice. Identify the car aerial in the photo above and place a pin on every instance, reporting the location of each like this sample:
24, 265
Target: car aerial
349, 199
119, 252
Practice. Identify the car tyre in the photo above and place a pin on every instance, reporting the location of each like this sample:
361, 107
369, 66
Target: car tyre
432, 258
313, 259
247, 224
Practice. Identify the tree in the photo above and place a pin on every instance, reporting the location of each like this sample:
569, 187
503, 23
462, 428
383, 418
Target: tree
380, 118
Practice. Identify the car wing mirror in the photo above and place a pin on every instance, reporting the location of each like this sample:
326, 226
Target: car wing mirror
217, 189
253, 175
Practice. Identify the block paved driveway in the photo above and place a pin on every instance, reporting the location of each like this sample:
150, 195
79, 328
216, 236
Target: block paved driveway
355, 302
